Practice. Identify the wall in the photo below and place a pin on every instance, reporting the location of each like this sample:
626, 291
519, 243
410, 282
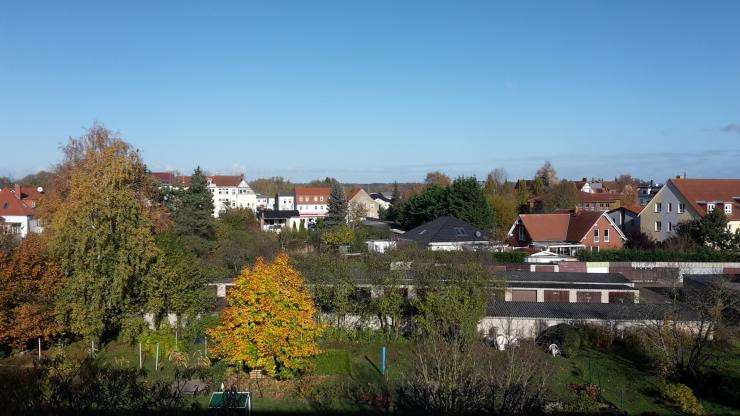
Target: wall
648, 216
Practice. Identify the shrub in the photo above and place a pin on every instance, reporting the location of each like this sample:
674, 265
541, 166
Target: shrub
510, 257
564, 335
682, 396
600, 337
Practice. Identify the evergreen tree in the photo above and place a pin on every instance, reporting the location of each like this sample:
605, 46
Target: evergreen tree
337, 206
394, 208
193, 211
539, 187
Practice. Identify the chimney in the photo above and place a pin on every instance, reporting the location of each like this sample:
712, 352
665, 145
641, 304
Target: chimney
17, 190
584, 180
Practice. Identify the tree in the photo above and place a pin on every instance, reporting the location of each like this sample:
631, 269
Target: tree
495, 181
505, 211
394, 208
464, 199
437, 178
562, 195
523, 196
547, 174
337, 209
710, 230
539, 187
29, 280
356, 214
177, 283
102, 234
628, 188
270, 321
5, 181
271, 186
193, 211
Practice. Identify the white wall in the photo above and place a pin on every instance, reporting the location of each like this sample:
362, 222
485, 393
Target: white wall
23, 220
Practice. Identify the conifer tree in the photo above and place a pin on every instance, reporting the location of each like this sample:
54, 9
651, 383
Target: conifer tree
337, 214
193, 212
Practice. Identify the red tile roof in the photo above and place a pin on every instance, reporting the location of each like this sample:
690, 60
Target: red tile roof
560, 227
301, 191
226, 180
598, 197
11, 204
699, 192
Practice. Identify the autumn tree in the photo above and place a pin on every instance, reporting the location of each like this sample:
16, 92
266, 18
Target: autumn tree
505, 210
270, 322
437, 178
562, 195
29, 281
102, 234
628, 188
547, 174
523, 196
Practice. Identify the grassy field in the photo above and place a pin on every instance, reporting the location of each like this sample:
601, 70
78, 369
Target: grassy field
346, 377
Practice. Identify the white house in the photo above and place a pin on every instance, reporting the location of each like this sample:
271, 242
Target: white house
312, 202
18, 210
284, 201
231, 191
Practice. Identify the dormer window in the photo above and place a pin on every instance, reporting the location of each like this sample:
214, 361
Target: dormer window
460, 232
710, 207
728, 208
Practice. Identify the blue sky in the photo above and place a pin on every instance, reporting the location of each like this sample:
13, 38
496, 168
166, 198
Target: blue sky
379, 91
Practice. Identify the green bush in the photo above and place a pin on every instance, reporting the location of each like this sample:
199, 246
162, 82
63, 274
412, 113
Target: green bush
510, 256
703, 254
682, 396
596, 336
564, 335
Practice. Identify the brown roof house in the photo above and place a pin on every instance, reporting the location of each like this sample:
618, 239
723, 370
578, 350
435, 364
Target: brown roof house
18, 213
684, 199
567, 233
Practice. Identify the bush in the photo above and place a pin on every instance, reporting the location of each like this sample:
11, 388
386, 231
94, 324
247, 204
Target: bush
596, 336
682, 396
565, 336
701, 254
510, 256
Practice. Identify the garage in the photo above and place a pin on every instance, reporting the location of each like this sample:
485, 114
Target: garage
524, 295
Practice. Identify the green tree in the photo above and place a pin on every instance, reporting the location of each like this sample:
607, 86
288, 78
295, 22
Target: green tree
523, 196
396, 203
505, 210
337, 213
193, 211
710, 230
468, 203
102, 235
425, 206
539, 187
561, 195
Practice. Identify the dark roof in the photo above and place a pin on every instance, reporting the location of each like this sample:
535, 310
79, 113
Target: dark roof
279, 214
546, 285
563, 277
576, 311
443, 230
378, 195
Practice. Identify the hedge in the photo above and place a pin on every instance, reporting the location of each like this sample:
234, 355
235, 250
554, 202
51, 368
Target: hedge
628, 254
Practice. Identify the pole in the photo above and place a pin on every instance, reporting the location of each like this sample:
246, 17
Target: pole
156, 359
39, 348
205, 347
175, 339
141, 362
383, 361
92, 347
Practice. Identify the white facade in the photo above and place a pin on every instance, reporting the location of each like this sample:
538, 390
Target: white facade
240, 196
21, 224
285, 202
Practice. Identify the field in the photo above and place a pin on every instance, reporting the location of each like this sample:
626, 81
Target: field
346, 378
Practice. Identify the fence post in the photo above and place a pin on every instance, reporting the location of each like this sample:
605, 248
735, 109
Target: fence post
39, 349
383, 361
141, 362
156, 359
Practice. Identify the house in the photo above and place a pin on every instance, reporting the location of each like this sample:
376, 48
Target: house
312, 202
383, 199
277, 220
599, 201
18, 210
228, 191
683, 199
360, 198
284, 201
265, 202
646, 192
626, 218
565, 287
595, 186
447, 234
567, 233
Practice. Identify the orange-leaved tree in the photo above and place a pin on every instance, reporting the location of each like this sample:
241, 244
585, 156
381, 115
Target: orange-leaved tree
270, 322
29, 283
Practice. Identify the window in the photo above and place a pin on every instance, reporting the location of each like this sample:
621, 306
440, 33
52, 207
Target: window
670, 227
728, 208
315, 198
596, 235
658, 226
681, 207
658, 207
710, 207
606, 235
670, 205
460, 232
522, 235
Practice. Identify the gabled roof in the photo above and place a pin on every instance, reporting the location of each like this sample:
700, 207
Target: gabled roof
224, 180
11, 204
577, 311
303, 191
445, 230
598, 197
170, 178
379, 195
699, 192
561, 226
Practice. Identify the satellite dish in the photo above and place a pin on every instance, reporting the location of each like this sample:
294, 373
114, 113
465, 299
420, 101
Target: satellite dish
478, 234
40, 189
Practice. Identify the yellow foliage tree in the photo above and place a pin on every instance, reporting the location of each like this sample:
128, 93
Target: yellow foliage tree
270, 322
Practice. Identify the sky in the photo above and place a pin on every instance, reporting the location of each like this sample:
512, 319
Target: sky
375, 91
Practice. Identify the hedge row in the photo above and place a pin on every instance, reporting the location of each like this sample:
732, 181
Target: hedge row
627, 254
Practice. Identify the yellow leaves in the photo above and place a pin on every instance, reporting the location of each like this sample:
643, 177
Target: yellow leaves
270, 321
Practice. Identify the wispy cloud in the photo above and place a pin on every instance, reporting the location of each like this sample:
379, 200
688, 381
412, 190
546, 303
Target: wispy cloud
732, 128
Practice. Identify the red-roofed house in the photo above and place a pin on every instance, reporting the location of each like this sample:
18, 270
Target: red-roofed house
567, 233
312, 202
18, 209
358, 201
684, 199
599, 201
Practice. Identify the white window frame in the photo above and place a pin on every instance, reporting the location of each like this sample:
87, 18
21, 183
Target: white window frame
670, 206
728, 208
658, 207
606, 235
658, 226
710, 208
681, 207
596, 235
